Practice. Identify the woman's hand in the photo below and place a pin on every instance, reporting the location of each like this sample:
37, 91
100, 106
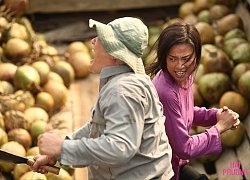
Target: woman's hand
43, 160
226, 119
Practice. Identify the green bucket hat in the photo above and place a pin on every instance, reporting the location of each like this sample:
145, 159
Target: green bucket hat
124, 39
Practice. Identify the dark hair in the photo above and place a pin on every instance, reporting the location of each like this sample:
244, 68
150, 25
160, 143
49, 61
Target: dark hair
176, 33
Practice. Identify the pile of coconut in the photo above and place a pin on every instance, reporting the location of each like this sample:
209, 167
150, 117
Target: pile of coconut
223, 77
34, 84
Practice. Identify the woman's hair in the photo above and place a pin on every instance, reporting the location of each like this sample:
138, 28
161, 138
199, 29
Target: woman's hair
176, 33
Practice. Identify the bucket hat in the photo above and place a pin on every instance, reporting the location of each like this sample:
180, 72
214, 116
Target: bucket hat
124, 39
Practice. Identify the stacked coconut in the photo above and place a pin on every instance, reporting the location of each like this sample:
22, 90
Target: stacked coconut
223, 77
34, 85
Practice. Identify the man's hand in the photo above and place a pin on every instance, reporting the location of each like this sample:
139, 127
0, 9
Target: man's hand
50, 144
42, 160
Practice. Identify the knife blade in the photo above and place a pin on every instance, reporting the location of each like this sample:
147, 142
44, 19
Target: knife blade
13, 158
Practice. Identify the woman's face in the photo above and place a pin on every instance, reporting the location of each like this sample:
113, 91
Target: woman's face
181, 62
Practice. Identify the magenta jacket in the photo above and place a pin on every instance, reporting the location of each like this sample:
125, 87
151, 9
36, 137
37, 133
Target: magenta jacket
178, 103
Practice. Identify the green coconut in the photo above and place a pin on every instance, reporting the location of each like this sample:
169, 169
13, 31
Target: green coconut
213, 85
233, 138
26, 78
244, 84
238, 70
241, 53
38, 127
235, 33
230, 44
65, 70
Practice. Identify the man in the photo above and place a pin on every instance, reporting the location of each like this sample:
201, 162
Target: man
125, 138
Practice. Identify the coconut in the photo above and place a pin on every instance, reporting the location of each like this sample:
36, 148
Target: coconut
16, 7
203, 16
15, 119
52, 52
230, 44
45, 101
198, 100
235, 33
43, 69
11, 103
36, 113
233, 138
206, 32
14, 30
217, 11
191, 18
213, 85
199, 72
65, 70
200, 5
33, 151
209, 158
235, 101
238, 70
216, 60
19, 170
76, 46
7, 87
3, 137
16, 49
241, 53
14, 148
218, 41
26, 78
80, 62
228, 23
59, 93
7, 72
1, 121
186, 8
3, 23
38, 127
244, 84
30, 175
21, 136
25, 97
55, 77
63, 175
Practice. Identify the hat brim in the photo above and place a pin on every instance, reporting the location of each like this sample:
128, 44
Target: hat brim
116, 48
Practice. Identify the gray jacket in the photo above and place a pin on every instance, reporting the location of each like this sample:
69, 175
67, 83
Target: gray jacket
125, 139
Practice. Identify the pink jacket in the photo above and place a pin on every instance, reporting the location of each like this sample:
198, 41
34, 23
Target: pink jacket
178, 103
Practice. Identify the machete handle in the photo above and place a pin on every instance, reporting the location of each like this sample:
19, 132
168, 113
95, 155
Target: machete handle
49, 168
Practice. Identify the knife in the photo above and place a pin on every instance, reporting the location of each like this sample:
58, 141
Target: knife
9, 157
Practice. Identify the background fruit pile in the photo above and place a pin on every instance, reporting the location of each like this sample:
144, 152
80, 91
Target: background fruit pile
223, 77
35, 78
34, 82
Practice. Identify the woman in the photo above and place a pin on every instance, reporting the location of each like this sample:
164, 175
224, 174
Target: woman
178, 56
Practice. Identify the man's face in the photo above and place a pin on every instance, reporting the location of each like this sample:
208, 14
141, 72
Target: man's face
101, 57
